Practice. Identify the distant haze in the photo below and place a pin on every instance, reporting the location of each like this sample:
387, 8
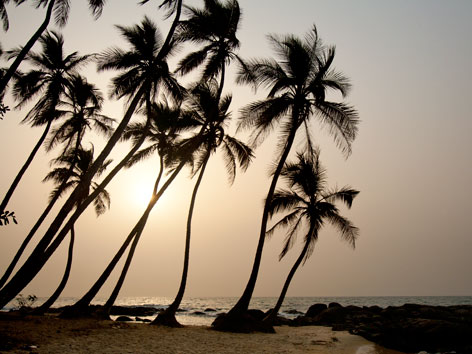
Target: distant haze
410, 66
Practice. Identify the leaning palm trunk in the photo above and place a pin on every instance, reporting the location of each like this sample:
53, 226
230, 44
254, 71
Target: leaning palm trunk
44, 307
272, 316
167, 317
27, 240
44, 249
111, 300
24, 51
79, 308
243, 303
35, 227
25, 166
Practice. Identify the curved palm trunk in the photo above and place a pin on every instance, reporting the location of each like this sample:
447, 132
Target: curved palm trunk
27, 240
36, 226
270, 318
44, 307
24, 51
111, 300
43, 251
80, 306
25, 166
167, 317
243, 303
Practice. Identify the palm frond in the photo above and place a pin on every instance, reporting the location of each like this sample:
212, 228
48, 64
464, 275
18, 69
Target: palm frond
342, 122
349, 232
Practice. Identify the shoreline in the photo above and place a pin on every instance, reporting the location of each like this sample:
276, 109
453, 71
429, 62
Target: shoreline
51, 334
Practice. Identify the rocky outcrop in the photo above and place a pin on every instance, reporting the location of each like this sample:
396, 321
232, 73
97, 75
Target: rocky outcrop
408, 328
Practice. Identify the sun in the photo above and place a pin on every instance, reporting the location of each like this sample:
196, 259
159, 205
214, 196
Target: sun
140, 194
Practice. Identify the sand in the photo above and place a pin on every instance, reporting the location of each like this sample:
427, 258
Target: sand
49, 334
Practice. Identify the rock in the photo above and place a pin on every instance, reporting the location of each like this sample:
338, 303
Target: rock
124, 319
302, 321
144, 320
257, 314
210, 310
133, 311
315, 309
199, 313
407, 328
295, 312
281, 321
334, 304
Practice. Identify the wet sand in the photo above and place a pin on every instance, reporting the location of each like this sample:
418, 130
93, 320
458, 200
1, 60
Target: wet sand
49, 334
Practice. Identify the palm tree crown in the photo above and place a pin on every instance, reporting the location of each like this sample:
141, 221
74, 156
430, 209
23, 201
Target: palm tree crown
298, 83
50, 77
81, 110
144, 65
73, 166
310, 203
212, 113
215, 26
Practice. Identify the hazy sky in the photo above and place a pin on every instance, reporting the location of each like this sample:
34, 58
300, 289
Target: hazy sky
409, 62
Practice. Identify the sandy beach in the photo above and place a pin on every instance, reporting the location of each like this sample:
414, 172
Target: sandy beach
49, 334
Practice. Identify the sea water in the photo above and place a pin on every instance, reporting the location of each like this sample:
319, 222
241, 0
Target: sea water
203, 310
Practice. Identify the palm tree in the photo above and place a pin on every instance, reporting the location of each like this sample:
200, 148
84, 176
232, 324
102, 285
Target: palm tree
81, 112
74, 165
167, 123
145, 66
298, 82
213, 113
309, 203
48, 80
214, 27
60, 9
83, 103
161, 130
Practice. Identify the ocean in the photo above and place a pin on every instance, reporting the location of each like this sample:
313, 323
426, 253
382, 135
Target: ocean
203, 310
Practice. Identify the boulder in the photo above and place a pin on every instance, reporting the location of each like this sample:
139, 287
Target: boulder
315, 310
123, 319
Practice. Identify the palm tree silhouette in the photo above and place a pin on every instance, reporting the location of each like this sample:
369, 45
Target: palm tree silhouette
83, 103
144, 69
297, 83
308, 204
167, 123
73, 164
215, 27
48, 80
81, 111
212, 113
60, 9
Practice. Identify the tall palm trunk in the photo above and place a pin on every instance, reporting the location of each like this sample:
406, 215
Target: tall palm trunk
42, 251
243, 303
111, 300
44, 307
167, 317
24, 51
273, 313
25, 166
36, 226
80, 306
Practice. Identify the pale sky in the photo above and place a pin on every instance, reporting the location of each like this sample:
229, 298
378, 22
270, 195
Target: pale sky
409, 63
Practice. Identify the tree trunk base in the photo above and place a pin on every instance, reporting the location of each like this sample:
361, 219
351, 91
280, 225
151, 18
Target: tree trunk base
92, 311
241, 323
166, 319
